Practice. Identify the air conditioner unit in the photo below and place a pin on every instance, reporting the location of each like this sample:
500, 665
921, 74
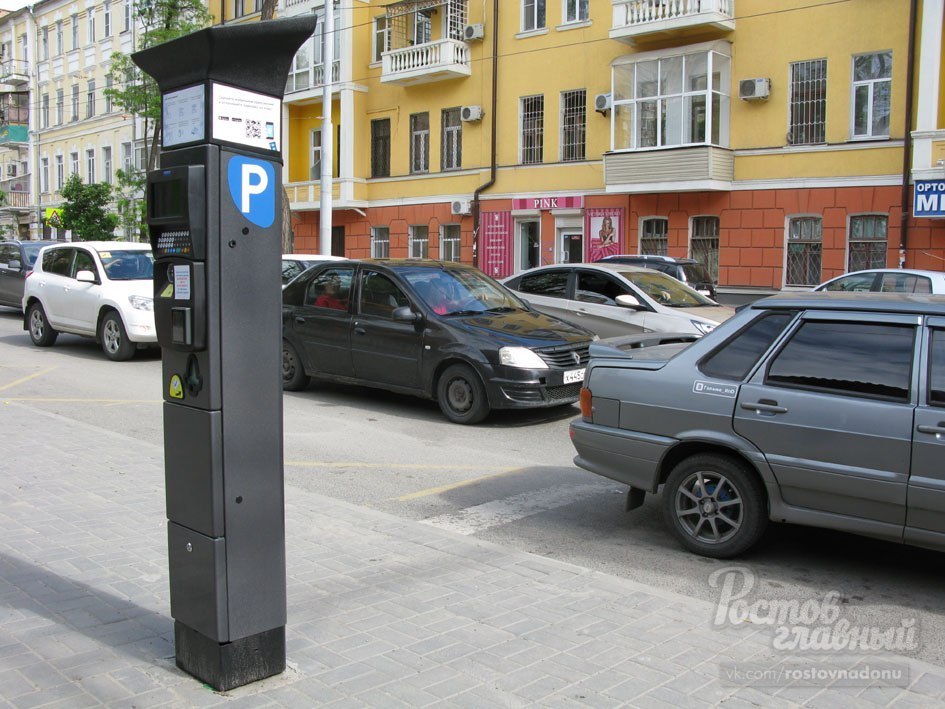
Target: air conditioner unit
603, 103
754, 89
461, 206
474, 32
471, 113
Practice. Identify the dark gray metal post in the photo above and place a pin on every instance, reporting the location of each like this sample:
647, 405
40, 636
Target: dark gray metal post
214, 213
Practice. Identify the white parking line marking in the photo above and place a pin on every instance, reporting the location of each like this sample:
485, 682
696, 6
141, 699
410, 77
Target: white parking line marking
498, 512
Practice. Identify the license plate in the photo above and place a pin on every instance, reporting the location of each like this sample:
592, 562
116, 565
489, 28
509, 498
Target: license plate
574, 375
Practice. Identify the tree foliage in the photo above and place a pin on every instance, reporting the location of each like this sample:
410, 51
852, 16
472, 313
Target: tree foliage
85, 210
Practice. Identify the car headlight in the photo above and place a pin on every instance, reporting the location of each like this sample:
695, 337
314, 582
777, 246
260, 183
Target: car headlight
704, 328
521, 357
141, 302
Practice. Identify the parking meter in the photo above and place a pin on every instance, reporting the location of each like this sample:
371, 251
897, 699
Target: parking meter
216, 236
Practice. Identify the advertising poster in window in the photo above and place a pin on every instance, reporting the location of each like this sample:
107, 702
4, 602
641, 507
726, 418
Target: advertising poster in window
496, 241
604, 228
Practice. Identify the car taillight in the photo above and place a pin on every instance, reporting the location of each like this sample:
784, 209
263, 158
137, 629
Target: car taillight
587, 404
27, 275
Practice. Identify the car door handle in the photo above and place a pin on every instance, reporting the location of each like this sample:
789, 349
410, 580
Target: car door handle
764, 407
936, 430
360, 331
299, 319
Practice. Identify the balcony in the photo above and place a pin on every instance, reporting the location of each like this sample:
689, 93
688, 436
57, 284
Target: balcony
308, 83
14, 136
16, 201
659, 19
683, 169
424, 63
14, 72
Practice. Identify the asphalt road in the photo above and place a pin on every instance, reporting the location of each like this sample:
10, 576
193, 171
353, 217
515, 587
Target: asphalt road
509, 480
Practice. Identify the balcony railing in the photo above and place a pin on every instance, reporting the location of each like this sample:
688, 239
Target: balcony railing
16, 200
636, 18
15, 72
312, 78
422, 63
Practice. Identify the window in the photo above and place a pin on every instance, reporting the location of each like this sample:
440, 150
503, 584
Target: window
126, 158
573, 124
108, 98
654, 236
60, 107
533, 129
238, 8
449, 242
575, 10
75, 102
44, 111
736, 358
419, 242
553, 284
598, 288
300, 75
872, 85
805, 241
44, 44
680, 99
59, 45
381, 37
380, 295
83, 262
904, 283
808, 102
107, 18
90, 166
60, 173
107, 164
58, 261
937, 369
44, 175
868, 240
812, 359
533, 15
452, 149
24, 47
330, 289
73, 163
704, 244
90, 26
74, 23
529, 245
141, 154
380, 147
420, 142
126, 13
380, 242
315, 169
90, 99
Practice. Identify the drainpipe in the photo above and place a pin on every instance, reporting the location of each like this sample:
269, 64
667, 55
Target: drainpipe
907, 141
495, 122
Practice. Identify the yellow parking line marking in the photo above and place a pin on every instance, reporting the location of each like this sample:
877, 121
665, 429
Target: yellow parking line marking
84, 401
28, 377
453, 486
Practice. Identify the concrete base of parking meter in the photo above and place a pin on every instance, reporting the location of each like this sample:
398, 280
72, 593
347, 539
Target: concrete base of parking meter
225, 666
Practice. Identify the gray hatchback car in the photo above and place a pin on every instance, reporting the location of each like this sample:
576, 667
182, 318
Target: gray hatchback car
822, 409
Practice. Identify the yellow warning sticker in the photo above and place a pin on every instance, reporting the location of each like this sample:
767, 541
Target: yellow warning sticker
168, 291
105, 254
176, 389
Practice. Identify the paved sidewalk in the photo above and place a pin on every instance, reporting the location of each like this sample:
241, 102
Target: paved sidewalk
382, 611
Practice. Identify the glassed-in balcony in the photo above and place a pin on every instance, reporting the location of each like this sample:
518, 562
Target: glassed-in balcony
14, 72
651, 19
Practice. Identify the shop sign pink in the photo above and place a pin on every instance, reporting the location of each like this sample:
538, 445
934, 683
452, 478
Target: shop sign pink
548, 202
496, 243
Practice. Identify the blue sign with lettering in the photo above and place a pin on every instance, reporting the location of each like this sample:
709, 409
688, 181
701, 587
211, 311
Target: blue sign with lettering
929, 200
253, 189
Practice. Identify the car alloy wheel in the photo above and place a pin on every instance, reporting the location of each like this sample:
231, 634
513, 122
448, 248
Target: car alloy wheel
41, 332
709, 508
115, 342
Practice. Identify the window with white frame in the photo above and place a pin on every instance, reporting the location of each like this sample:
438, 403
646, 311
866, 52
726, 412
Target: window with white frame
44, 44
107, 18
451, 152
315, 163
127, 157
126, 14
421, 26
381, 37
73, 163
419, 242
141, 155
90, 99
90, 166
44, 175
671, 100
868, 240
419, 143
59, 46
60, 107
380, 242
319, 41
533, 15
704, 244
107, 164
573, 124
575, 11
74, 24
872, 86
24, 46
654, 236
60, 173
804, 249
808, 102
532, 110
44, 111
237, 8
300, 73
75, 102
108, 97
449, 242
90, 26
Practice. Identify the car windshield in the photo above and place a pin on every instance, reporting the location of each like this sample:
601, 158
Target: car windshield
460, 291
666, 290
31, 251
127, 265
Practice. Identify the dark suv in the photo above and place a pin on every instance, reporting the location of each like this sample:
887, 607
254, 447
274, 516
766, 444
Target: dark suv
16, 262
687, 270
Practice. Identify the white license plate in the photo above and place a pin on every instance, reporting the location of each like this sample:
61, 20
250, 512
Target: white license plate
574, 375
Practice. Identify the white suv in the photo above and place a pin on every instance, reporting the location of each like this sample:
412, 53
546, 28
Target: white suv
101, 289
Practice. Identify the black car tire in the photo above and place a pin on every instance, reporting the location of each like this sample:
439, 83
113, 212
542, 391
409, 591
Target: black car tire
294, 377
114, 338
714, 505
461, 395
41, 332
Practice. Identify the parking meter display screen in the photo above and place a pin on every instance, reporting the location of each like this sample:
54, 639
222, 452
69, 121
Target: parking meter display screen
167, 199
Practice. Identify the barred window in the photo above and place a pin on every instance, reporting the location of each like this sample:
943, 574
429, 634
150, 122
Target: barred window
380, 242
419, 245
419, 143
380, 147
533, 129
573, 124
868, 241
808, 102
654, 236
452, 132
872, 85
805, 243
704, 245
449, 242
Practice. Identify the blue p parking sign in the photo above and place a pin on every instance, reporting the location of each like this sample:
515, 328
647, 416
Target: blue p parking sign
253, 189
929, 199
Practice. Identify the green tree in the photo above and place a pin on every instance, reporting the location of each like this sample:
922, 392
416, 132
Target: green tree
84, 210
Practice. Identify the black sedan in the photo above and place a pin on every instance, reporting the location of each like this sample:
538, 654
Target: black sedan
438, 330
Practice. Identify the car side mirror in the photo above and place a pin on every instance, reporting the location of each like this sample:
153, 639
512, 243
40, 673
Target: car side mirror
85, 277
14, 265
405, 314
629, 301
